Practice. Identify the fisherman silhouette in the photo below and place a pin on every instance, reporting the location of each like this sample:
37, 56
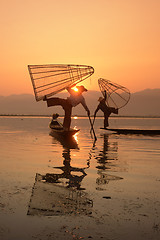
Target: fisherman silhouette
73, 100
105, 109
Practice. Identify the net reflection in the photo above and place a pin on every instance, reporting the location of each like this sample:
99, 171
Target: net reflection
60, 193
106, 160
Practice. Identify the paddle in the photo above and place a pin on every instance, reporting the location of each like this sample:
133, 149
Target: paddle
92, 128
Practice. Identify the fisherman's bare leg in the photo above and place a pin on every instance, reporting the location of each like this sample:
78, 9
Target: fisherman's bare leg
55, 102
114, 110
67, 117
67, 109
106, 124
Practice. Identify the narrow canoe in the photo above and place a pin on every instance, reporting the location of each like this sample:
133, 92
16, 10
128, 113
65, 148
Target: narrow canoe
57, 128
134, 131
64, 133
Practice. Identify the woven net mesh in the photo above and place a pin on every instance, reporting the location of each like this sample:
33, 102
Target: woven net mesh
47, 80
117, 95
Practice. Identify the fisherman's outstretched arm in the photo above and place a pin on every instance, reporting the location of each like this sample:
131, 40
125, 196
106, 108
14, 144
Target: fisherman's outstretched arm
97, 109
83, 102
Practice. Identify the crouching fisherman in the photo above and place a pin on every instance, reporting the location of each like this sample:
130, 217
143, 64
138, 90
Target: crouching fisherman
54, 122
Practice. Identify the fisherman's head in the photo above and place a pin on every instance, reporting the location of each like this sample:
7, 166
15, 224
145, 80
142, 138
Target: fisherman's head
100, 99
55, 115
82, 88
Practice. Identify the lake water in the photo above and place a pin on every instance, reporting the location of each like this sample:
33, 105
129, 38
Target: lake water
113, 183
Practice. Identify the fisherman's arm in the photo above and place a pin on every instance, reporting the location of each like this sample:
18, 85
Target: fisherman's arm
83, 102
97, 109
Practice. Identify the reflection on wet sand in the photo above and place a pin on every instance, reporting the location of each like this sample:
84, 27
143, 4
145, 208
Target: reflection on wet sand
74, 180
106, 161
51, 199
60, 193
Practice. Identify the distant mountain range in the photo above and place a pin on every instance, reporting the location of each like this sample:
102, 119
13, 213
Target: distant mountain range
143, 103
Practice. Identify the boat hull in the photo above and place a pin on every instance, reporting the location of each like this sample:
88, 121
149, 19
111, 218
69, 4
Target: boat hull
64, 133
57, 129
133, 131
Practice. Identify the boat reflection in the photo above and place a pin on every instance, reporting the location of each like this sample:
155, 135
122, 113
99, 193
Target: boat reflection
106, 160
70, 142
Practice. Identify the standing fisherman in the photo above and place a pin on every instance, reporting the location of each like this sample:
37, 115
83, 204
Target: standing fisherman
105, 109
73, 100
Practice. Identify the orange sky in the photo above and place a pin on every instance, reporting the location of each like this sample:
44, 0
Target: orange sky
119, 38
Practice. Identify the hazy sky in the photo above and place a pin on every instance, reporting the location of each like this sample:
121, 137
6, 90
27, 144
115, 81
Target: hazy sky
119, 38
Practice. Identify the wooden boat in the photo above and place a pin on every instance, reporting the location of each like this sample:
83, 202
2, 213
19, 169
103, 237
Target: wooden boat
57, 128
134, 131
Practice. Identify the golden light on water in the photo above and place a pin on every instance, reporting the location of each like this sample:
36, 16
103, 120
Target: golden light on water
76, 137
75, 117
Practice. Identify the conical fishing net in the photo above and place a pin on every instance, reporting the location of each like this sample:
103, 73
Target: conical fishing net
47, 80
117, 95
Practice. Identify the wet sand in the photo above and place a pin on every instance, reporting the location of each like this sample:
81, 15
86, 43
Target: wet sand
117, 199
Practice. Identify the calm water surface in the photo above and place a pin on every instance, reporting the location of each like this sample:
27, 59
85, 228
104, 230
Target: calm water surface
113, 169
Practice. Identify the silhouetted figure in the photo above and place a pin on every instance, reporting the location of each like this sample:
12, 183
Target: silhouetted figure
54, 122
73, 100
73, 179
105, 109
